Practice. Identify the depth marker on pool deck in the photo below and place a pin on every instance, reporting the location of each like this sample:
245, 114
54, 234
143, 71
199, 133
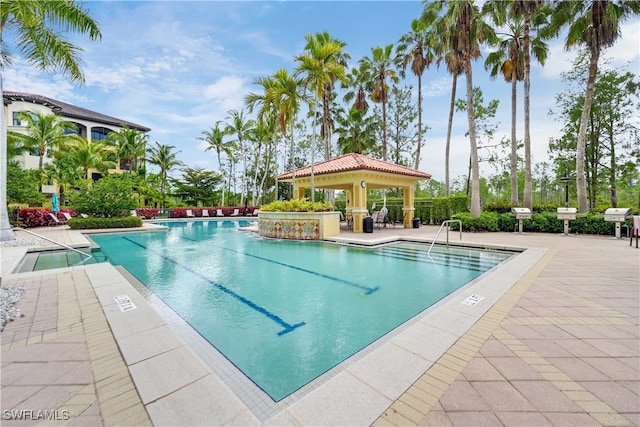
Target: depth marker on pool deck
287, 327
367, 290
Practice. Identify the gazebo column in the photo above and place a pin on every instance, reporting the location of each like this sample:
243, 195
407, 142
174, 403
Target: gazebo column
408, 207
359, 210
298, 192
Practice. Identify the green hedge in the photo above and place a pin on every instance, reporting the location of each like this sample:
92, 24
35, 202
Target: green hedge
544, 222
92, 223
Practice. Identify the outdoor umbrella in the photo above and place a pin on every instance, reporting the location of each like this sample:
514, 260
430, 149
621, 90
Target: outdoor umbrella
54, 203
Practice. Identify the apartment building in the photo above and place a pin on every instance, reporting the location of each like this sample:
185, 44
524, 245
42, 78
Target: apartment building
91, 125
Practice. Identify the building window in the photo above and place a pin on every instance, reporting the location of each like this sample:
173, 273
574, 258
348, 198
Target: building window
99, 134
16, 119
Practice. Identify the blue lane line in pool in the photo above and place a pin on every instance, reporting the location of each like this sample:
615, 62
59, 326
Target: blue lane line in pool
367, 290
287, 327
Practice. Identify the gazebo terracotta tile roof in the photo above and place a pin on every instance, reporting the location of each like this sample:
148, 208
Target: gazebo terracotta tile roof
70, 111
354, 161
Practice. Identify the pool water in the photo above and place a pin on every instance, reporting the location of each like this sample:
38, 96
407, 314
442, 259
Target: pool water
285, 312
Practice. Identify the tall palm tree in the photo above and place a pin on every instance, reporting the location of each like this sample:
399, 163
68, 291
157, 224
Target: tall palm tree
415, 49
165, 158
470, 32
36, 25
46, 132
215, 140
324, 63
356, 133
131, 147
240, 126
596, 25
63, 172
508, 60
535, 13
381, 64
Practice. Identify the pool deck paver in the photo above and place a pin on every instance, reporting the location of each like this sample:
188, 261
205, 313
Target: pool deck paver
560, 347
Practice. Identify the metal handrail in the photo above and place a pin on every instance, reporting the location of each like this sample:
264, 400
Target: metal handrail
448, 221
57, 243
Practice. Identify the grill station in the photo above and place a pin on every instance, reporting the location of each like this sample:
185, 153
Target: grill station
617, 215
567, 214
521, 214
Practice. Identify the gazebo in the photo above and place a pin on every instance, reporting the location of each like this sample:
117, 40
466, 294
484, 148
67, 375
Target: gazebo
355, 173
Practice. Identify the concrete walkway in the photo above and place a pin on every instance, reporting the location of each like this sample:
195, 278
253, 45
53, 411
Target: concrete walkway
558, 347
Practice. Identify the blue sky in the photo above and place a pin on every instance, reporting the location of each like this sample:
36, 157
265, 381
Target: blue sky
179, 66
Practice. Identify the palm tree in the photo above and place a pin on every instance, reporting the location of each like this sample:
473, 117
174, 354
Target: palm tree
356, 133
508, 60
380, 65
470, 32
357, 81
131, 147
324, 63
63, 172
165, 158
35, 24
535, 12
237, 124
282, 97
596, 25
215, 140
46, 132
414, 48
90, 155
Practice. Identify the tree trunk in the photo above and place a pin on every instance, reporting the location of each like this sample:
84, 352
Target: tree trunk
449, 126
514, 142
528, 190
5, 227
417, 163
475, 172
581, 183
384, 130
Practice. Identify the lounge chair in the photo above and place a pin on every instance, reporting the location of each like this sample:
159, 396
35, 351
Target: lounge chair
133, 212
255, 212
219, 212
190, 214
236, 212
380, 220
66, 216
205, 212
55, 220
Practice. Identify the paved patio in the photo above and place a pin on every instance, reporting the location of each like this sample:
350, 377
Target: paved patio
555, 342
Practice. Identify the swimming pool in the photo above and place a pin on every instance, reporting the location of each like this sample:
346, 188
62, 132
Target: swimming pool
285, 312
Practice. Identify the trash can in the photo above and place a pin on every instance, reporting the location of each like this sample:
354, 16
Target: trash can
367, 224
416, 222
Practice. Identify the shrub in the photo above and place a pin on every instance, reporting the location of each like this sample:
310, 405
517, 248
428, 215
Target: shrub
147, 212
297, 205
94, 223
487, 221
111, 196
39, 217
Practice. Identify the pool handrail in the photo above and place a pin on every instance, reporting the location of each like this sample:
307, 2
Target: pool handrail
57, 243
448, 221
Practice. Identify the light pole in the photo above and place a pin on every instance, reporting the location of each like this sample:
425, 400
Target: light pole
566, 179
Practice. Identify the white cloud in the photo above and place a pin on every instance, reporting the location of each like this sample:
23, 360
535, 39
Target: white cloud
228, 91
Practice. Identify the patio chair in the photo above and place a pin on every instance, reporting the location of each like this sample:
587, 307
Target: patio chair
236, 212
255, 212
133, 212
219, 212
66, 216
55, 220
190, 214
635, 229
205, 212
381, 219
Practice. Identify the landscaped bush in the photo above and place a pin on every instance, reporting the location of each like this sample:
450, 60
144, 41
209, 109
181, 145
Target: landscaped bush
111, 196
39, 217
94, 223
487, 221
297, 205
147, 212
